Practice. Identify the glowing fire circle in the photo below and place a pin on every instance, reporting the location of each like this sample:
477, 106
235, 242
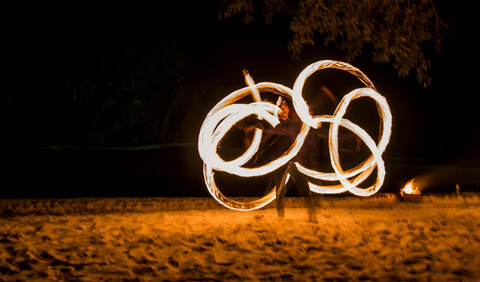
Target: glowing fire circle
227, 113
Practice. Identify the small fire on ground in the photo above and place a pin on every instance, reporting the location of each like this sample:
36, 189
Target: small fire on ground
410, 193
410, 189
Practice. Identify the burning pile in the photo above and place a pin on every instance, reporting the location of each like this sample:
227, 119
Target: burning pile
410, 193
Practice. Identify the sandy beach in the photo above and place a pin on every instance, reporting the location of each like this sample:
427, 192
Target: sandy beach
195, 239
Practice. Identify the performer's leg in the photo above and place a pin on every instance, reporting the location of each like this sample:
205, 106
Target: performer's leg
280, 179
302, 183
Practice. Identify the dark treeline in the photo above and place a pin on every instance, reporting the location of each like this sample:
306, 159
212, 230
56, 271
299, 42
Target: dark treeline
94, 86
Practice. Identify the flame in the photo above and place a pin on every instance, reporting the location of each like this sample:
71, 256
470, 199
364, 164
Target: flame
410, 189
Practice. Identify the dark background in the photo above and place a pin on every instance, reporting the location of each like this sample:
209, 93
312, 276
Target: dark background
61, 139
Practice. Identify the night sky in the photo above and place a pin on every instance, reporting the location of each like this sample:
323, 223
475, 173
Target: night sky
68, 72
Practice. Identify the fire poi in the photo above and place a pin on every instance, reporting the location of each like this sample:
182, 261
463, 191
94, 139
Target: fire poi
226, 113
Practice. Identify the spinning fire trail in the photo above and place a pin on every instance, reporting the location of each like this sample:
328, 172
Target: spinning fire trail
227, 113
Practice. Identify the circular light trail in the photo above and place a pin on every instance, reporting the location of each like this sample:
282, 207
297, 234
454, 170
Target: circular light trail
227, 113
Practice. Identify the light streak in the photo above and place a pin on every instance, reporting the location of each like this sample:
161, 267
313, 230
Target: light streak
227, 113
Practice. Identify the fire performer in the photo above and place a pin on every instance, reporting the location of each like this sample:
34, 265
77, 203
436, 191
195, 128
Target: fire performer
280, 138
277, 140
287, 131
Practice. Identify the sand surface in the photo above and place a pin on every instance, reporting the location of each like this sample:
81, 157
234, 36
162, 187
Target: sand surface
195, 239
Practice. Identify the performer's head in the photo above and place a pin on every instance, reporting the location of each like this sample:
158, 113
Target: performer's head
283, 115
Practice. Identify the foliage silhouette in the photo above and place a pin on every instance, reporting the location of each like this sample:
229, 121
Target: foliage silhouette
397, 32
95, 87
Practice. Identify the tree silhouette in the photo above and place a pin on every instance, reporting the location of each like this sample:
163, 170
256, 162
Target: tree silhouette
94, 86
399, 32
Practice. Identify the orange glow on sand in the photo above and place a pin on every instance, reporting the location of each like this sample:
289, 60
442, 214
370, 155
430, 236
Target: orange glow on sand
193, 239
